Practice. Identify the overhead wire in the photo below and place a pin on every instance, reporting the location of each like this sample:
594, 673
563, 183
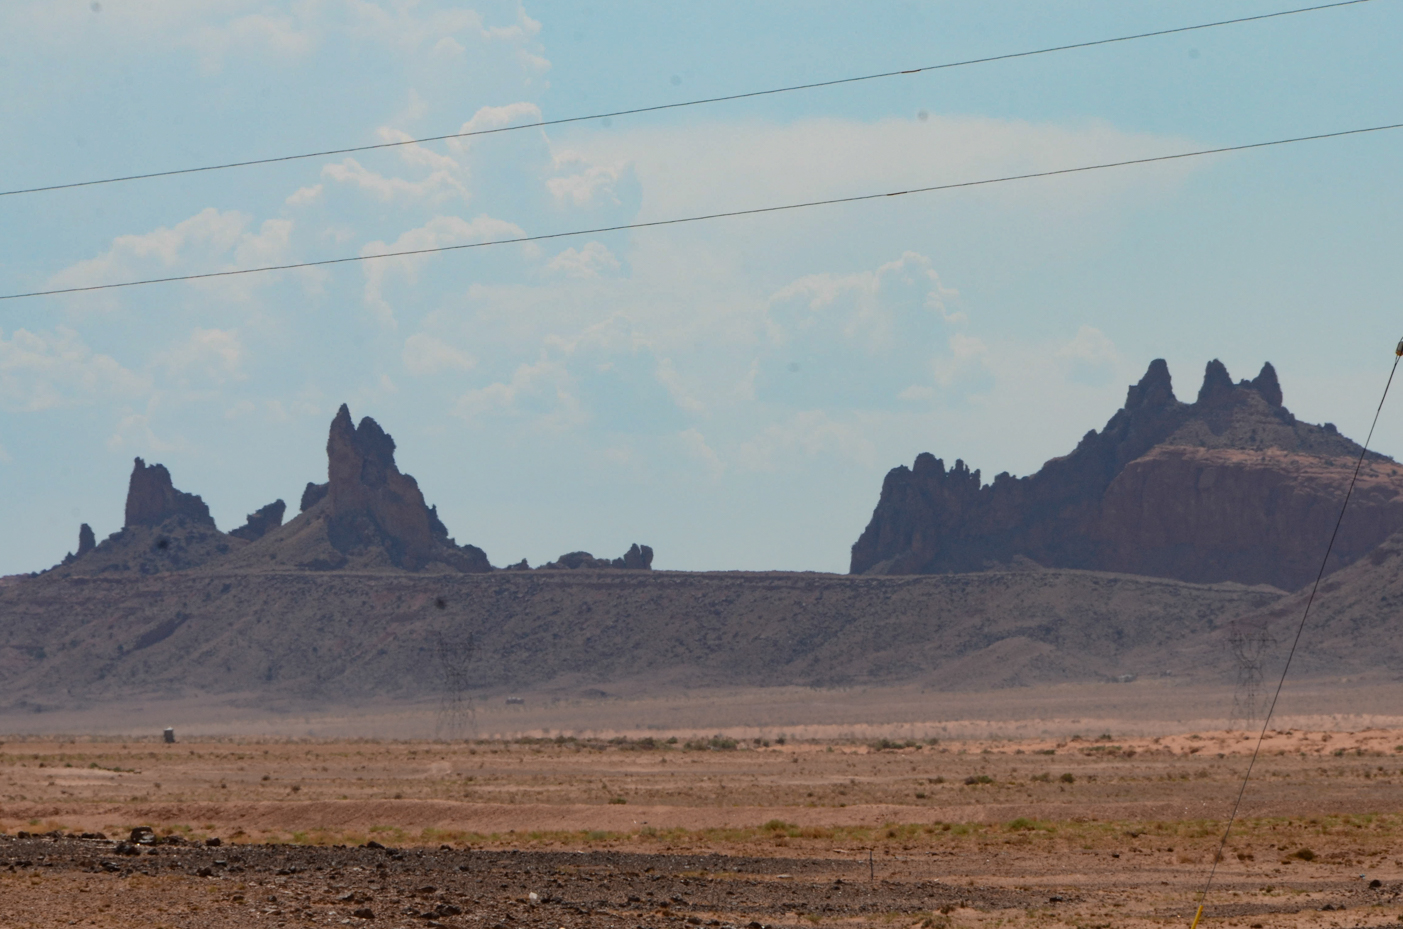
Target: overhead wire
1295, 643
753, 211
814, 85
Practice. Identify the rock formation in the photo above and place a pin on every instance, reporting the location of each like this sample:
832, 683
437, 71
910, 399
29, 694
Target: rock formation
261, 521
86, 543
152, 499
312, 494
1230, 487
637, 558
371, 503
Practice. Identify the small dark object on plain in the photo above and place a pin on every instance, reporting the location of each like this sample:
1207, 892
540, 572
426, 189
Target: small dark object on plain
447, 909
168, 736
213, 842
1054, 899
205, 872
364, 912
373, 844
1376, 883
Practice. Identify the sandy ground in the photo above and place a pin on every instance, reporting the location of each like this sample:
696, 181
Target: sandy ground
1148, 706
1093, 830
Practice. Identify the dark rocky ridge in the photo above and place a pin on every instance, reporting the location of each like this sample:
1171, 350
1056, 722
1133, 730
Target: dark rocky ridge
368, 516
1230, 487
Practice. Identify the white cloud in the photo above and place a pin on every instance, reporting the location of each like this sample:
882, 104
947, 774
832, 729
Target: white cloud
495, 117
439, 186
282, 36
540, 390
810, 432
581, 188
586, 262
210, 231
670, 378
439, 232
216, 354
305, 195
695, 446
424, 355
711, 167
210, 240
46, 370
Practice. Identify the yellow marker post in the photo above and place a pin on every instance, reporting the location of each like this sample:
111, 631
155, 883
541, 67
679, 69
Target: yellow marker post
1196, 917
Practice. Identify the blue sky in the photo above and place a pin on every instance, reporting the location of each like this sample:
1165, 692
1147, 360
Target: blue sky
729, 392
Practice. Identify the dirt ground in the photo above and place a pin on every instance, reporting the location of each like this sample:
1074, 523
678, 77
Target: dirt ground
1094, 830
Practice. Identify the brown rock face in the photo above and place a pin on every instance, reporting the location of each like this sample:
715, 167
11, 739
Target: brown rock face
261, 521
1231, 487
152, 499
372, 504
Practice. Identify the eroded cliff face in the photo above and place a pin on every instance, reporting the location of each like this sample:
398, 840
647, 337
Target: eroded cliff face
371, 504
1230, 487
152, 499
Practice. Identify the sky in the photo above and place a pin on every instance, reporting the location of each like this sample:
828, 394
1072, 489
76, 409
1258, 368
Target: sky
730, 392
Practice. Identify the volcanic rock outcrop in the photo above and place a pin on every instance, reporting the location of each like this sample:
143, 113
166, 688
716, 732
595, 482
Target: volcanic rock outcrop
1229, 488
152, 499
370, 503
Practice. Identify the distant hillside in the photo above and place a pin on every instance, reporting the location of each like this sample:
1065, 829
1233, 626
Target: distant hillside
1229, 488
1355, 624
272, 637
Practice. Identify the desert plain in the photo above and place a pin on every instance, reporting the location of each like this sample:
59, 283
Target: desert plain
1089, 829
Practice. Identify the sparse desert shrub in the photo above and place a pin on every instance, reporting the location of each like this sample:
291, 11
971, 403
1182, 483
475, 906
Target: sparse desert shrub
1068, 778
974, 779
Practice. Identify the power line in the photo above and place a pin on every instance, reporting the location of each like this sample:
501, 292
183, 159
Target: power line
1363, 451
517, 240
539, 124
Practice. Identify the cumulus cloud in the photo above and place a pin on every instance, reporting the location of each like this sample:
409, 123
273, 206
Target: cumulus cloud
811, 433
709, 167
424, 355
438, 232
46, 370
867, 338
211, 240
495, 117
439, 186
589, 180
694, 445
590, 261
304, 195
540, 390
216, 354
